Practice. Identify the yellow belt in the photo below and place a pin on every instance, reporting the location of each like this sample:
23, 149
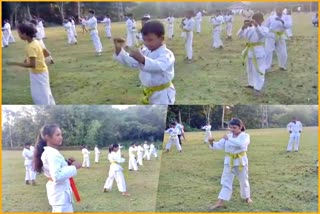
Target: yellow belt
250, 46
148, 91
236, 156
278, 34
113, 162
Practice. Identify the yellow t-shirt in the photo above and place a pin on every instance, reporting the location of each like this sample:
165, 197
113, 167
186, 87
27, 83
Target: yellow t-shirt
34, 49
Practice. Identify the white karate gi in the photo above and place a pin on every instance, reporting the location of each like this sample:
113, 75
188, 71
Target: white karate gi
74, 28
296, 129
107, 22
140, 152
173, 138
217, 22
157, 70
235, 145
86, 159
207, 135
96, 154
58, 172
70, 33
7, 34
93, 28
131, 32
132, 159
276, 42
188, 27
170, 21
28, 156
256, 55
198, 21
115, 173
228, 20
146, 151
153, 150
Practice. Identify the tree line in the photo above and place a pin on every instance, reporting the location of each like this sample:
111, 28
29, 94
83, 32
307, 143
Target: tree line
193, 117
53, 13
89, 125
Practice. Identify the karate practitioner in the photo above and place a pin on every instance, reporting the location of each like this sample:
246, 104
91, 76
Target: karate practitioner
155, 62
207, 135
254, 53
132, 158
153, 150
198, 21
93, 28
7, 33
276, 39
188, 26
131, 31
229, 20
115, 171
107, 22
173, 131
70, 32
295, 129
40, 40
59, 172
39, 75
96, 154
217, 22
27, 154
140, 153
235, 144
170, 26
146, 148
86, 159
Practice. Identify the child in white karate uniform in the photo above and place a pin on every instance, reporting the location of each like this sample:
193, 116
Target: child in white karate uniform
96, 154
86, 159
155, 62
93, 29
235, 144
115, 171
27, 154
70, 32
208, 135
48, 159
217, 22
188, 27
146, 148
140, 152
107, 22
173, 131
170, 26
295, 129
254, 54
153, 150
133, 166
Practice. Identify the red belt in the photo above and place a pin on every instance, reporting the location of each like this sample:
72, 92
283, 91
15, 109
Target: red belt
73, 187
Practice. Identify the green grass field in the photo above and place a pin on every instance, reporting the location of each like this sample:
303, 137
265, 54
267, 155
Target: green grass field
80, 77
142, 185
280, 181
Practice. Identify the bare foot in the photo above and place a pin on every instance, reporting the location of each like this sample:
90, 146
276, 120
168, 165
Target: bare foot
216, 206
249, 201
125, 194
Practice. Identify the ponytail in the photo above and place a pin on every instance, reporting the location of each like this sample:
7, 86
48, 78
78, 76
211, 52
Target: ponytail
237, 122
112, 146
40, 144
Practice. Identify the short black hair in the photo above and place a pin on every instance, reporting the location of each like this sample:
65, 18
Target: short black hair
27, 144
153, 26
91, 11
145, 19
34, 21
257, 16
28, 28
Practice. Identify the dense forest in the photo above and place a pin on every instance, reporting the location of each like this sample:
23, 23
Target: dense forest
53, 13
90, 125
254, 116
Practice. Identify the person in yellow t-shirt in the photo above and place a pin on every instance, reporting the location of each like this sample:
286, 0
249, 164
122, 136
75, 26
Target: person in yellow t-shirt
35, 61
